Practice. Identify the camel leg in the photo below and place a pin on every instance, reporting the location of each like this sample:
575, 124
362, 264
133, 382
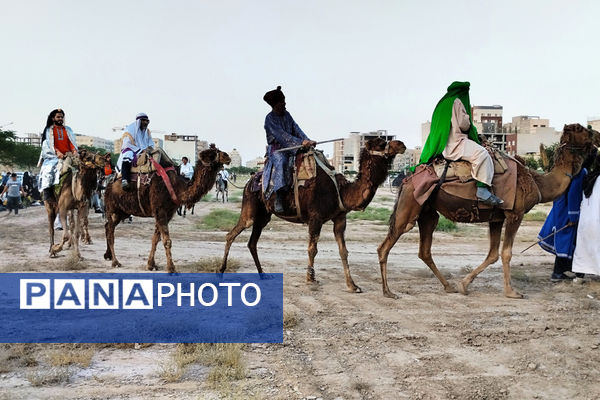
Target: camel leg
250, 208
57, 248
492, 257
112, 220
407, 211
77, 233
166, 239
85, 234
314, 231
512, 225
339, 228
428, 220
155, 238
51, 217
259, 223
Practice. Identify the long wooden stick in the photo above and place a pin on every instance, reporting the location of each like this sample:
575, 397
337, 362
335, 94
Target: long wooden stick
297, 147
549, 236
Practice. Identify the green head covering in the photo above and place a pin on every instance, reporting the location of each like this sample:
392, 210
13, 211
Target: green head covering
441, 120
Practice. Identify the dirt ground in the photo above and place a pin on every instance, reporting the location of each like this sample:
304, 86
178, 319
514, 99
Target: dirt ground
340, 345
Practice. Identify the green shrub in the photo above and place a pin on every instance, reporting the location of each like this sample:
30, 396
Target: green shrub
371, 214
222, 220
535, 216
445, 225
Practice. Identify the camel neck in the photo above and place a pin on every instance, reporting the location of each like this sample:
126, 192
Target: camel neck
373, 171
202, 181
556, 182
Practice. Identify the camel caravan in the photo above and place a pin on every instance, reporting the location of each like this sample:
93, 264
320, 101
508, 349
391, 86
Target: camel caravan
459, 176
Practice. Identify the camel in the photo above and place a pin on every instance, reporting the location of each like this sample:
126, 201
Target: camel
532, 188
156, 202
319, 203
74, 198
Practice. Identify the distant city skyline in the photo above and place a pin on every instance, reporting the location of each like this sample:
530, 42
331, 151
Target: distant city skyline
201, 68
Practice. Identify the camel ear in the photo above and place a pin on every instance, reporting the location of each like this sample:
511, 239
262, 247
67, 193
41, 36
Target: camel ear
544, 157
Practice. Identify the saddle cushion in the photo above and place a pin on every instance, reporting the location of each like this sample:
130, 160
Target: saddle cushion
462, 169
144, 165
504, 185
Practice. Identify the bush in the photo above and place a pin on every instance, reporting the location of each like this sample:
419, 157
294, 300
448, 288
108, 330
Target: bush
445, 225
371, 214
535, 216
222, 220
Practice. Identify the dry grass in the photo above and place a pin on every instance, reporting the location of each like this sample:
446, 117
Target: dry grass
224, 358
520, 276
17, 355
209, 264
71, 354
290, 319
72, 263
49, 376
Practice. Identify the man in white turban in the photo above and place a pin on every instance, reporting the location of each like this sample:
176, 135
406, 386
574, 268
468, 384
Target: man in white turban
135, 140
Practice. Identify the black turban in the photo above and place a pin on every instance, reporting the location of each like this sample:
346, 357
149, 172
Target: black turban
274, 96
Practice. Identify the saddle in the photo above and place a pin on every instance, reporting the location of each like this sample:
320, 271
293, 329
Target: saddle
305, 167
145, 165
458, 181
69, 164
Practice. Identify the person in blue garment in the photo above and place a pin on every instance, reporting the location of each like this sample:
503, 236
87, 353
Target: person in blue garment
564, 213
282, 131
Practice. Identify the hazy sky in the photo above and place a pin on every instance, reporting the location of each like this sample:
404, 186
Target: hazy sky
202, 67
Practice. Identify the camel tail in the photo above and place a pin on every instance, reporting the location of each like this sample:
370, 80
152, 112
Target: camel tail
392, 225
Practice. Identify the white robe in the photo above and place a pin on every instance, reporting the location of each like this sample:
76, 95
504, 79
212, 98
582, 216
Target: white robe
141, 141
460, 147
586, 258
49, 161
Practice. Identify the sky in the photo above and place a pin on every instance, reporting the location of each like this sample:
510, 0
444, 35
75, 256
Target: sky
202, 67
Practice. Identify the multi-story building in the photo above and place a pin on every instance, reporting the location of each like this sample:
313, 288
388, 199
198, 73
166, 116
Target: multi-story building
425, 128
346, 153
32, 139
526, 132
488, 121
594, 123
236, 159
409, 159
179, 146
94, 141
258, 162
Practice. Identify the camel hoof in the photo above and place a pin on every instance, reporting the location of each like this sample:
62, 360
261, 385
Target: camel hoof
513, 294
390, 295
116, 264
462, 288
355, 289
450, 289
107, 256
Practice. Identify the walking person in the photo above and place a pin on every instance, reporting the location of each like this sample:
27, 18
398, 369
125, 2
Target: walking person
13, 190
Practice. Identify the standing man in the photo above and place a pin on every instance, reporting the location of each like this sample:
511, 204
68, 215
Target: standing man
454, 136
282, 131
135, 140
224, 174
14, 189
57, 141
186, 169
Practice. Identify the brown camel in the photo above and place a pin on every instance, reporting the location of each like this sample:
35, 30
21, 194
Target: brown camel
74, 198
318, 204
532, 188
157, 202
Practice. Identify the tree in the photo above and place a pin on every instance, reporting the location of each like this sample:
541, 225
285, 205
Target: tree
242, 170
531, 162
15, 153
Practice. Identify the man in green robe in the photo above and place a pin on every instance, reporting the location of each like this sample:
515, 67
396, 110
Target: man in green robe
454, 136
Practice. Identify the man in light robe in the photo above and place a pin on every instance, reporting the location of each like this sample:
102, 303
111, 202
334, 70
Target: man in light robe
454, 136
57, 141
186, 169
282, 131
135, 140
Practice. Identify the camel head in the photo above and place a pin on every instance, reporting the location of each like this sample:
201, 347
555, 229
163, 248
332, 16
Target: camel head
89, 159
214, 157
379, 146
576, 143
